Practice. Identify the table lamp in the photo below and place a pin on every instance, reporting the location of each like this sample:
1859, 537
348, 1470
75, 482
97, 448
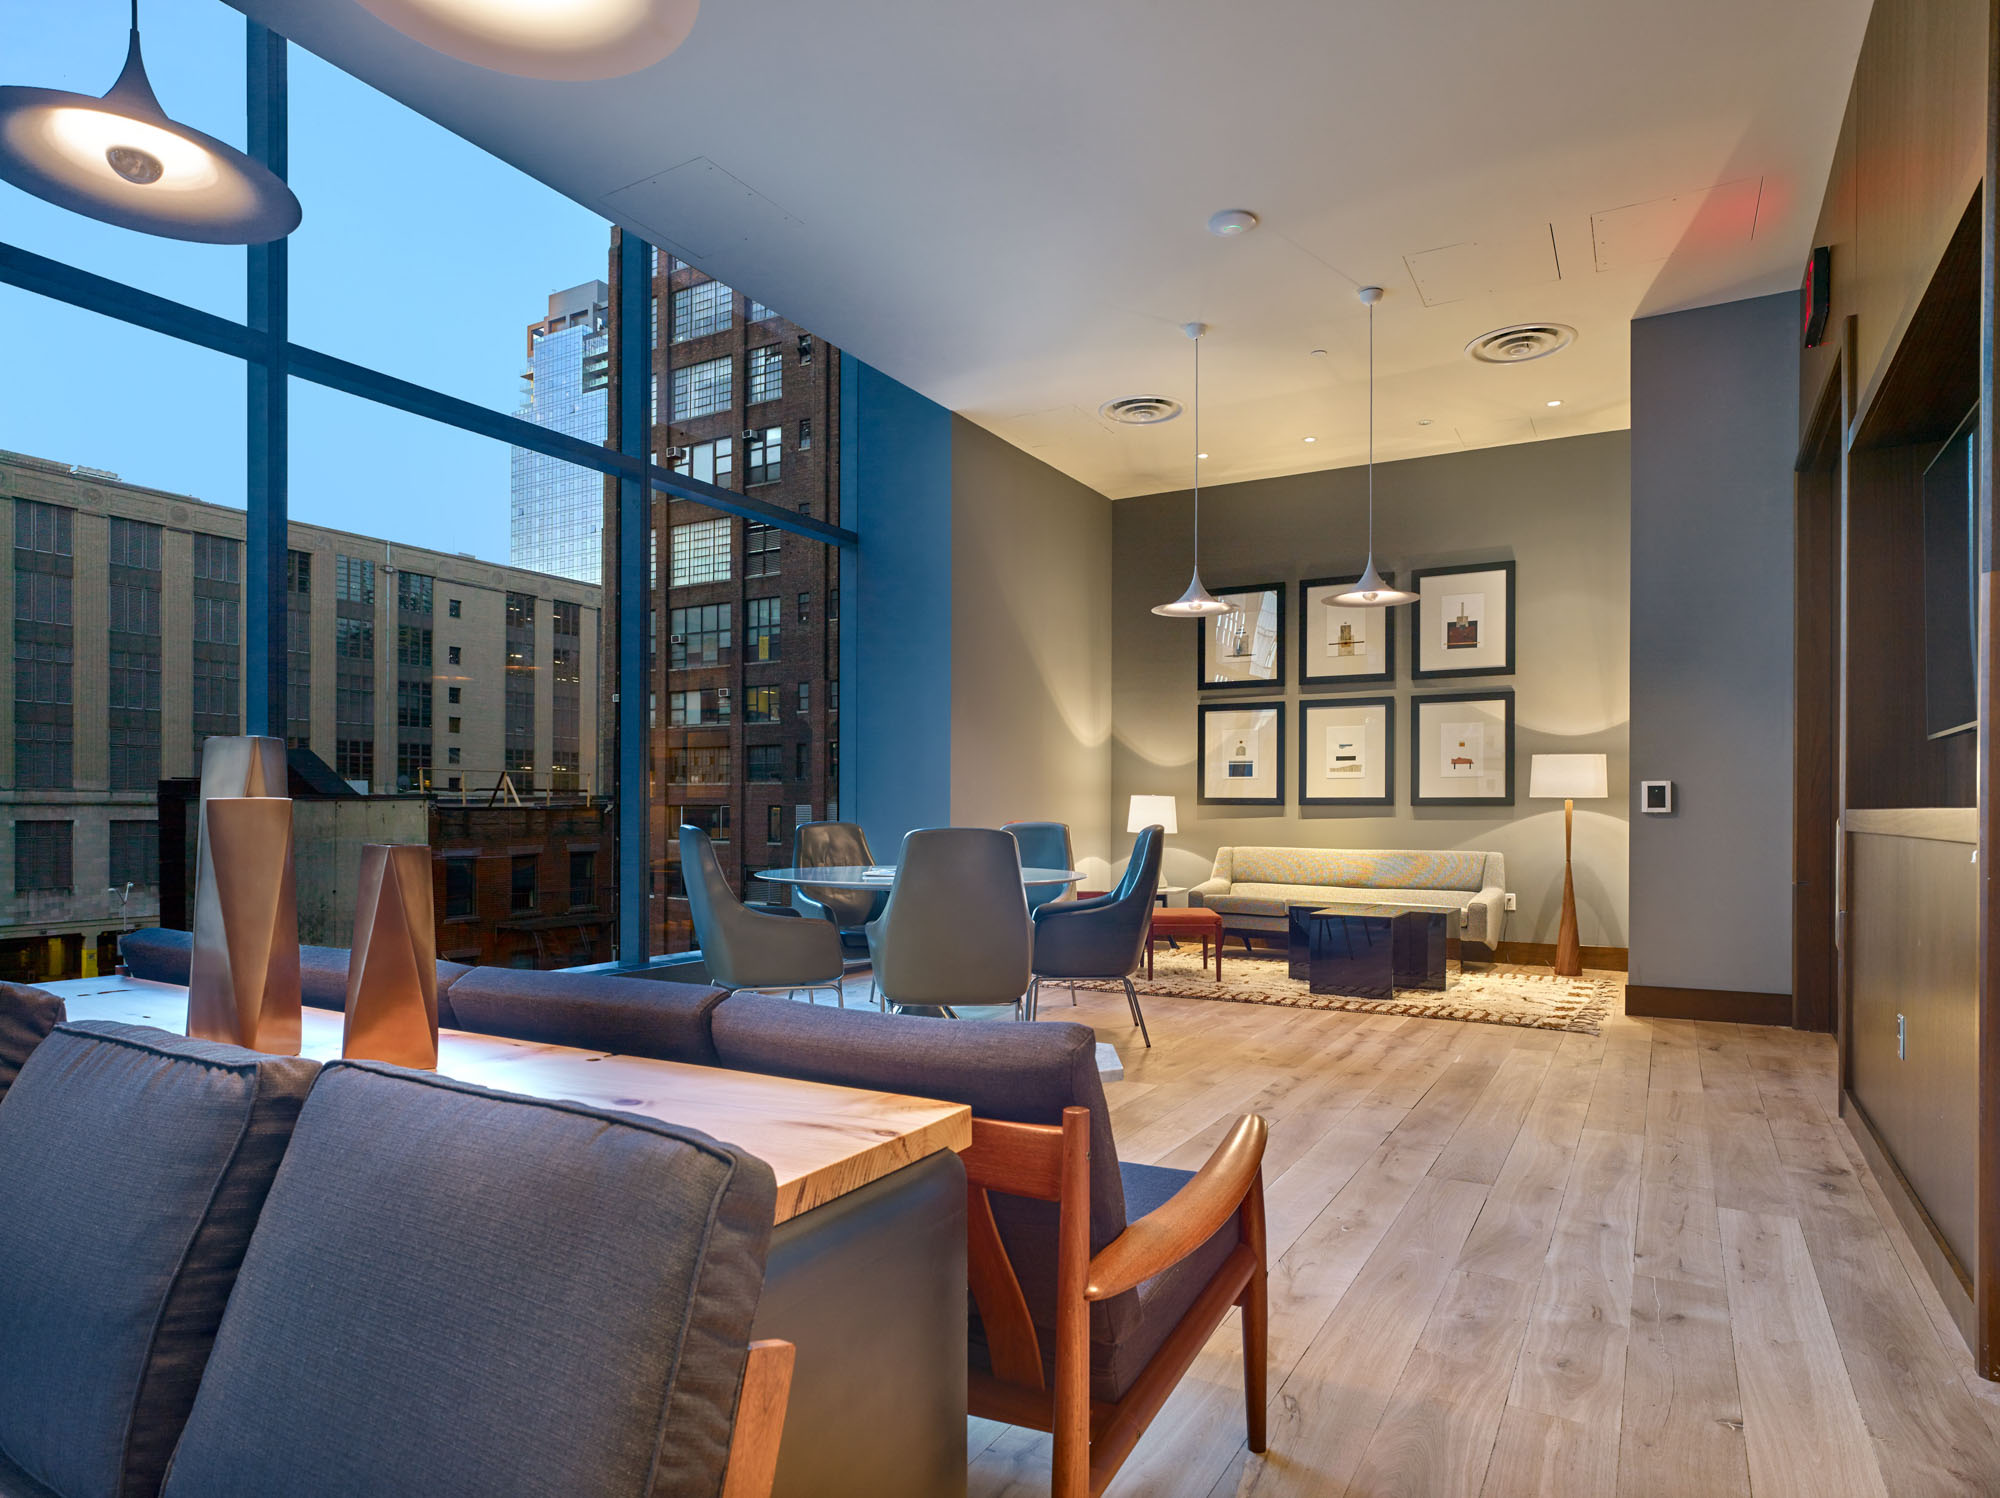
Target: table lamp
1573, 777
1146, 810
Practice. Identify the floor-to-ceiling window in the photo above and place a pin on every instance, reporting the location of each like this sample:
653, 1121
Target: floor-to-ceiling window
446, 452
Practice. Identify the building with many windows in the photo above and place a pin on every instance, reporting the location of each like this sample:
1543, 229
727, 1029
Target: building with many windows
743, 639
556, 515
408, 671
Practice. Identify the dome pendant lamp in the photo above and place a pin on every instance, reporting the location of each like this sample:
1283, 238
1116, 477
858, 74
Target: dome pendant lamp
1197, 602
121, 160
571, 41
1369, 591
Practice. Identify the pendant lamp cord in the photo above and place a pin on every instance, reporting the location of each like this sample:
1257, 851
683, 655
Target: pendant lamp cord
135, 15
1197, 449
1371, 425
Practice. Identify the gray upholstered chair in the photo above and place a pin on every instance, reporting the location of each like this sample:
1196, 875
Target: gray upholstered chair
955, 932
825, 845
1044, 845
1104, 938
133, 1166
744, 948
458, 1291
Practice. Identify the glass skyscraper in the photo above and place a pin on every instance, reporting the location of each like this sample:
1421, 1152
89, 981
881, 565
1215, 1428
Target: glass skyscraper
557, 517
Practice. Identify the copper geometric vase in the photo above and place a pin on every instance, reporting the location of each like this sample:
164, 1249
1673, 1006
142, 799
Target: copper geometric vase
243, 979
392, 1009
241, 765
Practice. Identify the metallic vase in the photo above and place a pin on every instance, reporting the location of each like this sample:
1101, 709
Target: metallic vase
392, 1008
243, 980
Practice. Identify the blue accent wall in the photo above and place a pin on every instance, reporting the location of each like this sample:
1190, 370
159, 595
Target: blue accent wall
895, 608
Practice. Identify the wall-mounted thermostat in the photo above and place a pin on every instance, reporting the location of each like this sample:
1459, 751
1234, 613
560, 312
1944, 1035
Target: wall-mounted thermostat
1656, 797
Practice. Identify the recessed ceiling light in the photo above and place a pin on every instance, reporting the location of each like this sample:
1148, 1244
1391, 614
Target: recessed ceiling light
1312, 439
1423, 421
1201, 455
1232, 221
1555, 403
1319, 353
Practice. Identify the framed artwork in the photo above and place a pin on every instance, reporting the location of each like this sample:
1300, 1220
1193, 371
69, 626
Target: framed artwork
1465, 621
1240, 753
1246, 646
1347, 752
1462, 749
1343, 647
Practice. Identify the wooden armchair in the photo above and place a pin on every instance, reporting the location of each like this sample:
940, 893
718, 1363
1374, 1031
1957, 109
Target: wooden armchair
760, 1420
1052, 1164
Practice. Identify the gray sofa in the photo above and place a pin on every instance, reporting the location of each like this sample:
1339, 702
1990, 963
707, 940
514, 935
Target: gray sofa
1018, 1073
225, 1273
1253, 888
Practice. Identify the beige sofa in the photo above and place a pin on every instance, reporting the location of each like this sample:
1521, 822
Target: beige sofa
1252, 888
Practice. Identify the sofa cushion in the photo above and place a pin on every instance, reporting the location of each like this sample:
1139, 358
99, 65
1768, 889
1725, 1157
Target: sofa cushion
27, 1015
14, 1483
1385, 868
460, 1292
631, 1016
1016, 1073
133, 1166
157, 954
1277, 899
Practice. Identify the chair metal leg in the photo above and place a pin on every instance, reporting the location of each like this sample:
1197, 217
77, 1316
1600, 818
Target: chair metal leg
1072, 995
1138, 1015
1031, 1005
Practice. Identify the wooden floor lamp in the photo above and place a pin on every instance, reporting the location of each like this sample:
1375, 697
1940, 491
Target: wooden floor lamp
1573, 778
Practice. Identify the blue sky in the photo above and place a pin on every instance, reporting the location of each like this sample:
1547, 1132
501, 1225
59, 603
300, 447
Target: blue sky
418, 255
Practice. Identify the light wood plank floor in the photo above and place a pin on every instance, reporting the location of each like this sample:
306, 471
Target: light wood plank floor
1519, 1264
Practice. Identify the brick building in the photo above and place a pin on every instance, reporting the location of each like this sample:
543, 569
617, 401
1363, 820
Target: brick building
743, 628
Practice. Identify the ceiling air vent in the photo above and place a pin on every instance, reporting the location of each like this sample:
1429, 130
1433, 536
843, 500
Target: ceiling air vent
1141, 410
1520, 343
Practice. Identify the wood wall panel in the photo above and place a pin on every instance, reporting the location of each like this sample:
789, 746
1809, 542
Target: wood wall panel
1919, 151
1912, 149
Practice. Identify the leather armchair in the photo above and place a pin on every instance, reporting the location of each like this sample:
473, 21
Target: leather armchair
1104, 938
822, 845
1044, 845
743, 948
955, 930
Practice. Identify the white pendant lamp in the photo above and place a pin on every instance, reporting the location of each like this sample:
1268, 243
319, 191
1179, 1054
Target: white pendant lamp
120, 159
1369, 591
1197, 602
570, 41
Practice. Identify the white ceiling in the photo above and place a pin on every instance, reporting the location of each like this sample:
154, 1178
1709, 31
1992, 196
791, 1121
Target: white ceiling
1004, 206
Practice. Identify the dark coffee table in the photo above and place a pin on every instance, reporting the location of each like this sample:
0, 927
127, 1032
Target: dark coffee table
1367, 951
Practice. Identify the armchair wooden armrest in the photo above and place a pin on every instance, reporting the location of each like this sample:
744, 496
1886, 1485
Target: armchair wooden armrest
1176, 1228
760, 1420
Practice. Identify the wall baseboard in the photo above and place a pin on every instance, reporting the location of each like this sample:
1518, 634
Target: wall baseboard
1543, 954
1953, 1285
1650, 1001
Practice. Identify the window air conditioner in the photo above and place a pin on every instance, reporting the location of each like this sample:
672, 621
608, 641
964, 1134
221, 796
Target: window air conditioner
722, 694
677, 639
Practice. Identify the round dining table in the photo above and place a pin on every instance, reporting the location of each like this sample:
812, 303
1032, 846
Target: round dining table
882, 876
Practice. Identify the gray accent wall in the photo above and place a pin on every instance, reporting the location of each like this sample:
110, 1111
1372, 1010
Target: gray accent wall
1714, 420
1031, 631
1561, 510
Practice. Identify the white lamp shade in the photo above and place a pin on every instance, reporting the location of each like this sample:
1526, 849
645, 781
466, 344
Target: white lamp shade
1569, 777
1147, 810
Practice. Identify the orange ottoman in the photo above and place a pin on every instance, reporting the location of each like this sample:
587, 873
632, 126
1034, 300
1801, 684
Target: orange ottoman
1189, 921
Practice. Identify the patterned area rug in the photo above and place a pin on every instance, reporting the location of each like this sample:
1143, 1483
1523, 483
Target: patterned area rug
1539, 1001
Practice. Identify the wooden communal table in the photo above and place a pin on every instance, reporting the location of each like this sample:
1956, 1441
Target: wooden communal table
821, 1141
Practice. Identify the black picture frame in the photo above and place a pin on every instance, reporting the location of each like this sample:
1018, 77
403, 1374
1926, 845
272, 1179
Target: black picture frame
1274, 682
1202, 712
1386, 676
1306, 712
1419, 706
1418, 634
